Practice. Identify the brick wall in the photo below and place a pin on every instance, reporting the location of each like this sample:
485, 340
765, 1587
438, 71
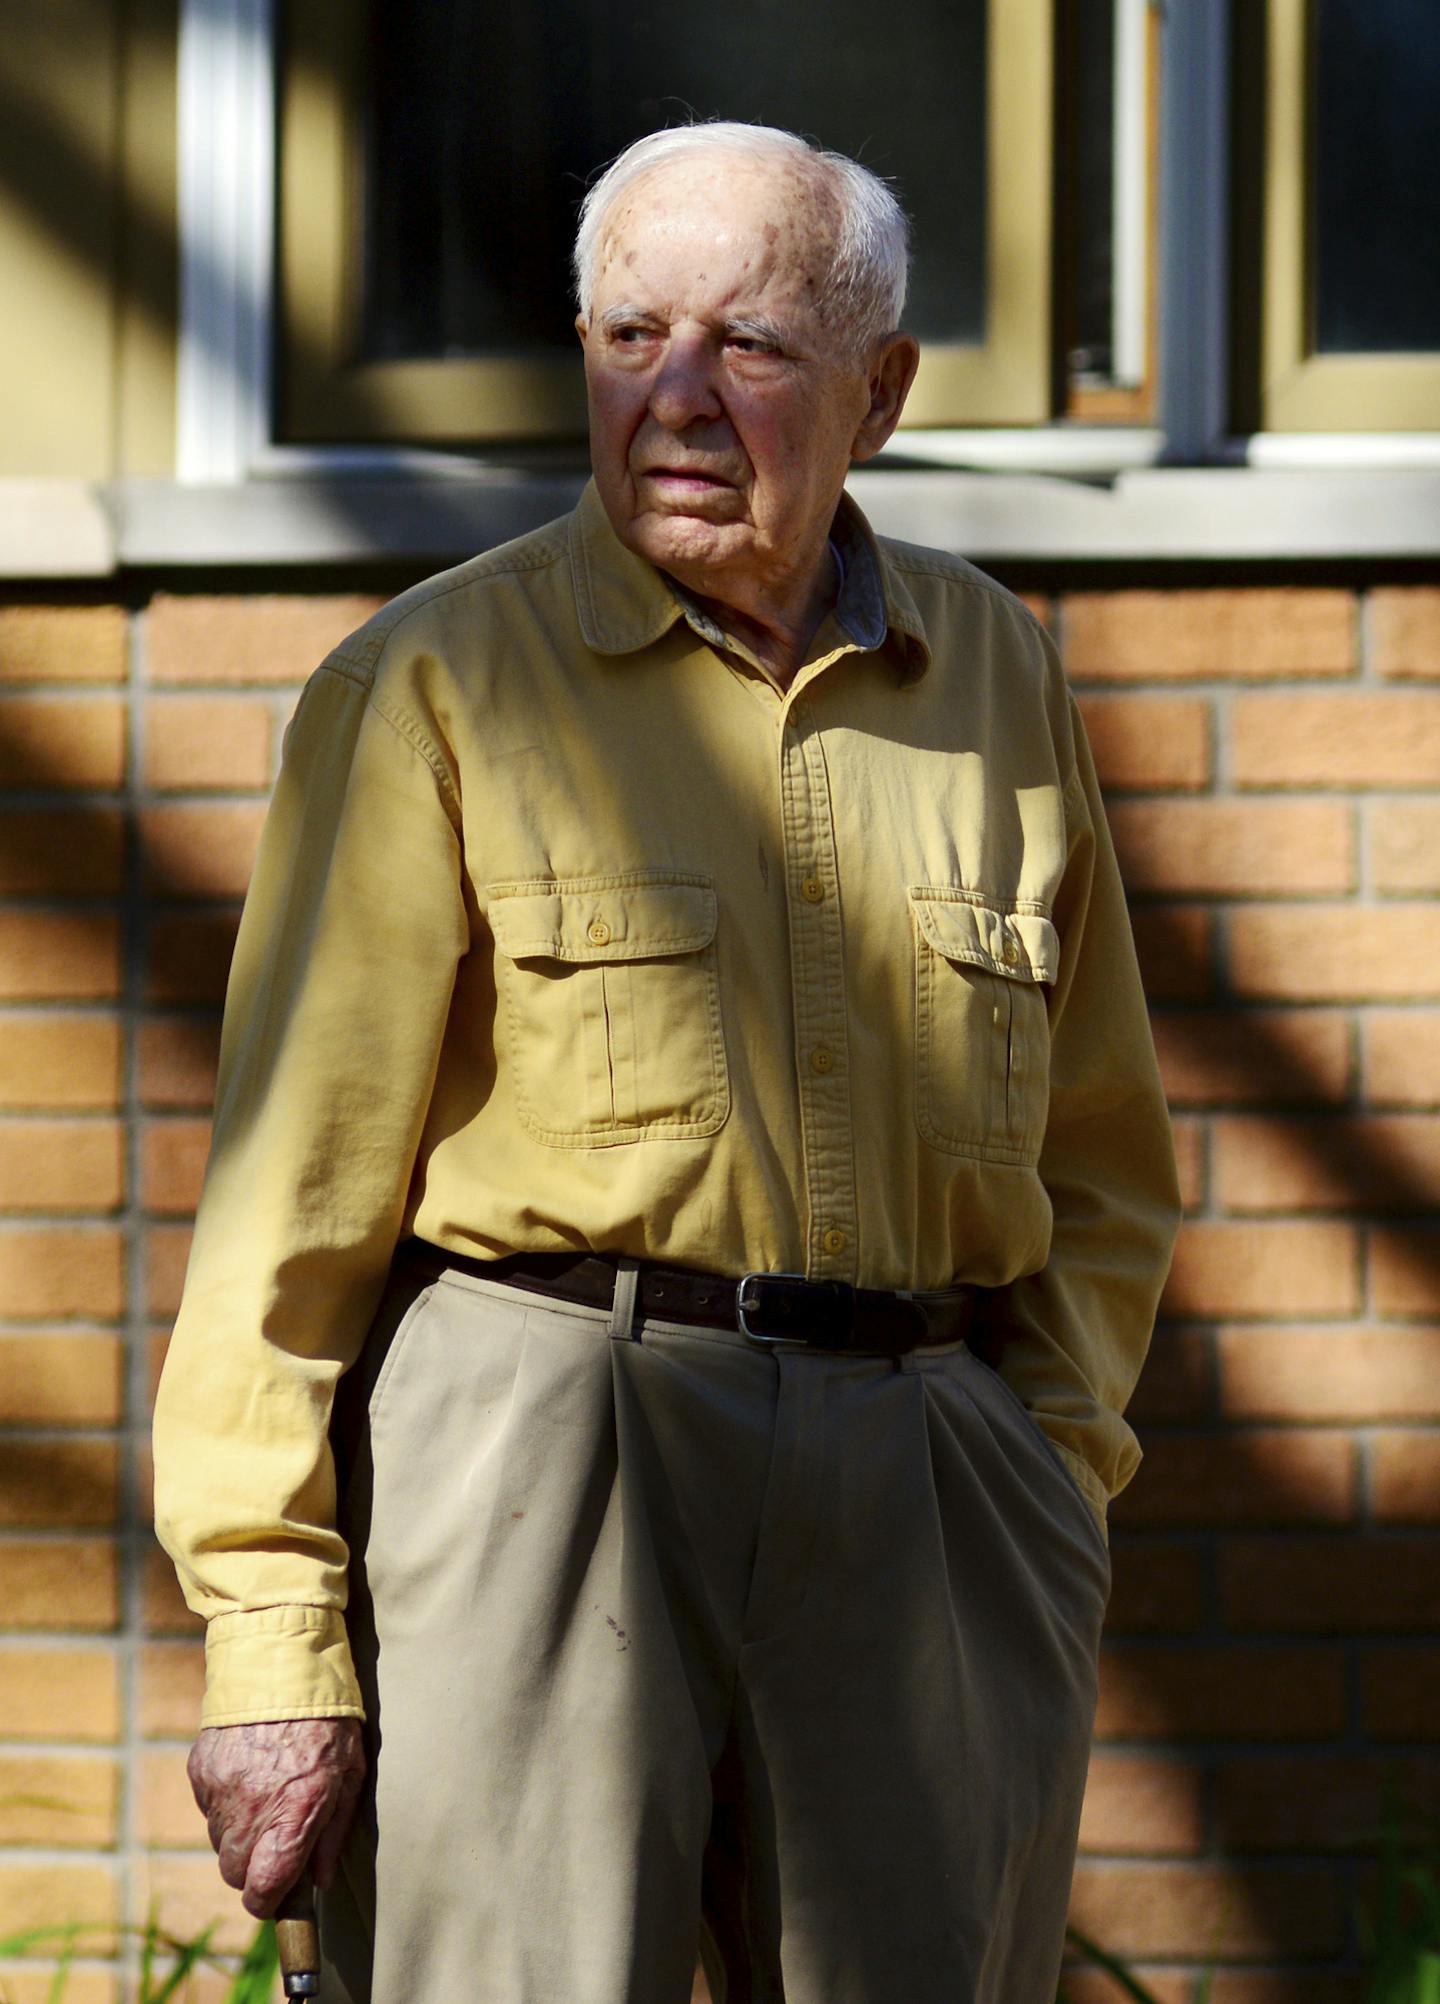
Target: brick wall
1272, 757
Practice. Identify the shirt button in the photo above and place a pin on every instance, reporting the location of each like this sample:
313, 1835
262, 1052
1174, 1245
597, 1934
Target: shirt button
1010, 953
834, 1240
822, 1059
812, 890
598, 933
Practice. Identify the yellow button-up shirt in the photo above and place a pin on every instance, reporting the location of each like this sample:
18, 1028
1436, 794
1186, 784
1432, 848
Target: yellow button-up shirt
571, 929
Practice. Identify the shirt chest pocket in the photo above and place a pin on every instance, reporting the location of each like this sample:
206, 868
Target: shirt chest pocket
982, 1028
609, 996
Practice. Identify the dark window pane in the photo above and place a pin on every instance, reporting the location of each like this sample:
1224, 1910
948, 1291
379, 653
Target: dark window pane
484, 122
1378, 181
1089, 191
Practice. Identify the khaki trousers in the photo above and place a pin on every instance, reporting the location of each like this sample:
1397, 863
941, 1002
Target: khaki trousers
671, 1638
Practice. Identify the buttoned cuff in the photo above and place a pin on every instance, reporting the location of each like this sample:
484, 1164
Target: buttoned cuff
270, 1663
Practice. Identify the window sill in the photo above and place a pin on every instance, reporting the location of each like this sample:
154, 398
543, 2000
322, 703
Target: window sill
432, 516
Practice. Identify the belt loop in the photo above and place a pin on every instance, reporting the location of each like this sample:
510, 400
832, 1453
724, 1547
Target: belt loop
622, 1314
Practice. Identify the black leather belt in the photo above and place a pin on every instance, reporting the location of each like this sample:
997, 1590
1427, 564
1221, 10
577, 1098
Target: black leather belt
768, 1307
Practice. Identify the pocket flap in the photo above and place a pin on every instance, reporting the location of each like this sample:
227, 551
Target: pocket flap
639, 916
1021, 946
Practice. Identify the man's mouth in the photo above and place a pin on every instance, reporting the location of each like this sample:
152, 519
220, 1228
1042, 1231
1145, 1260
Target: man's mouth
684, 479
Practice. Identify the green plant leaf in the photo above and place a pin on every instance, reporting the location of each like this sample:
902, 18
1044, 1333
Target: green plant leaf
60, 1980
255, 1978
1092, 1952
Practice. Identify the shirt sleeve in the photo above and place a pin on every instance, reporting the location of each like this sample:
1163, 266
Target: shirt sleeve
352, 931
1072, 1337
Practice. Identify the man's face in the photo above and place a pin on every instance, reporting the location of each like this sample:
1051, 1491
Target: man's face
723, 410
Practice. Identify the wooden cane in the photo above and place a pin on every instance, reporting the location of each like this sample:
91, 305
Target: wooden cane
298, 1939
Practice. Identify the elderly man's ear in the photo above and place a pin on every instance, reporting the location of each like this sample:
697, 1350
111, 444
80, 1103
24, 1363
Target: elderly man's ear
891, 375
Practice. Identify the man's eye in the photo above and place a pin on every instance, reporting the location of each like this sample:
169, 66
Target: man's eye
752, 344
628, 335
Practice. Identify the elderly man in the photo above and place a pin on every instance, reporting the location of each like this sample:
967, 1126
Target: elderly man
685, 1066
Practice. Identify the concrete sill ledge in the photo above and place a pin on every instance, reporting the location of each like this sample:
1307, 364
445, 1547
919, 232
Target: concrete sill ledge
69, 529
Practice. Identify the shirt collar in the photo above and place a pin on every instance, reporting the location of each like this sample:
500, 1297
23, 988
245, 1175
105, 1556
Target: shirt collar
625, 603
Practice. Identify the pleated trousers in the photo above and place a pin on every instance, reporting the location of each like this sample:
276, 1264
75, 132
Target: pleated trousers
672, 1640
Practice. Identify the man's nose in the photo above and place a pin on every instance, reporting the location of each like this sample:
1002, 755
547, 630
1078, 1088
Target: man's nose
684, 390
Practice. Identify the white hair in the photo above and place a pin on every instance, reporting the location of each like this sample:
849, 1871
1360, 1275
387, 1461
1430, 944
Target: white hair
865, 288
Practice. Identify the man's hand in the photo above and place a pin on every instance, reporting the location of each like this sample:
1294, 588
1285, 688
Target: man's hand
273, 1797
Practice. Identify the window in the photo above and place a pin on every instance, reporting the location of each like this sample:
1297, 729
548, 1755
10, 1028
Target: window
1351, 252
432, 156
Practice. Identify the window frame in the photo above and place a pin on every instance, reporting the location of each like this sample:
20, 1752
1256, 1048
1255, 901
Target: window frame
1300, 391
326, 393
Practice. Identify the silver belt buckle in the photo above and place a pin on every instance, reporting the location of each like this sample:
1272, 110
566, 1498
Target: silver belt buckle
743, 1307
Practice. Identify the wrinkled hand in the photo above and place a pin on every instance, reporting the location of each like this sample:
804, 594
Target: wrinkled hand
273, 1797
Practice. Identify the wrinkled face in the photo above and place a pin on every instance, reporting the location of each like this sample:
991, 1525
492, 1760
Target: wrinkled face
723, 409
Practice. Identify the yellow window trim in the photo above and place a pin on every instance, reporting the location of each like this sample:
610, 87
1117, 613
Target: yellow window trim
327, 394
1300, 390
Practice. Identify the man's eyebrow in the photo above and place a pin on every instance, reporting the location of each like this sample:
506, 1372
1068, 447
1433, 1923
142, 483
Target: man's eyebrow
757, 327
615, 316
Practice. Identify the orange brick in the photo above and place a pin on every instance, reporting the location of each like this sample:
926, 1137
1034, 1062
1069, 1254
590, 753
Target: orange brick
1191, 1164
1404, 1271
190, 956
1178, 636
1336, 953
1176, 1383
59, 1482
1149, 741
1254, 1057
1405, 846
1183, 1909
1398, 1689
1405, 632
49, 956
1175, 947
56, 1896
1271, 1270
68, 1584
188, 1894
207, 744
205, 851
165, 1611
1244, 848
167, 1811
1136, 1802
1157, 1587
1405, 1478
61, 1165
60, 1694
1335, 1374
1328, 1164
264, 640
1349, 738
63, 643
59, 1061
60, 1379
178, 1059
67, 1804
1400, 1058
83, 1985
172, 1164
62, 852
1331, 1586
172, 1685
60, 1270
62, 741
1213, 1691
167, 1250
1316, 1803
1213, 1480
